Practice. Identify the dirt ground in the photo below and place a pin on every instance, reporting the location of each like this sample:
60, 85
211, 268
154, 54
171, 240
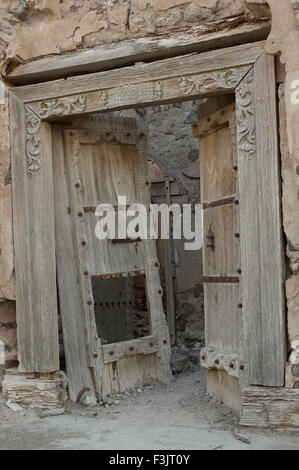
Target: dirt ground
179, 415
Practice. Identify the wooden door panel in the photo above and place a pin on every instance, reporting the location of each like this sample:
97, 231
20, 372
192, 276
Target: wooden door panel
221, 255
116, 162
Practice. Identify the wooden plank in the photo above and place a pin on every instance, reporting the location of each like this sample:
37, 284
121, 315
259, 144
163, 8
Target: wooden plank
128, 52
224, 388
222, 317
114, 351
221, 254
169, 278
70, 304
207, 61
272, 321
34, 241
267, 407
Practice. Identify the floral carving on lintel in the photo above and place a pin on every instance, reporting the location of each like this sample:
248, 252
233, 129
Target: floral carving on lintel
33, 143
104, 98
62, 106
211, 81
245, 116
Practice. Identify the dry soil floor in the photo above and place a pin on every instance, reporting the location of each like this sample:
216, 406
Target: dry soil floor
175, 416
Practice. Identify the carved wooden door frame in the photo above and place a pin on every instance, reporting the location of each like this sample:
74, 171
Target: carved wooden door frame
245, 70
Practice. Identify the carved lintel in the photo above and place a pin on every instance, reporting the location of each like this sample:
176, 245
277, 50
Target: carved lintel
245, 116
62, 106
33, 142
220, 79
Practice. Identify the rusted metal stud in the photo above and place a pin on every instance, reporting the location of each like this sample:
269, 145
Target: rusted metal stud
217, 361
111, 353
83, 242
237, 202
95, 355
203, 357
237, 235
85, 273
77, 185
80, 214
231, 365
240, 305
239, 271
151, 345
89, 302
147, 183
141, 135
241, 367
157, 264
235, 168
131, 348
164, 341
159, 291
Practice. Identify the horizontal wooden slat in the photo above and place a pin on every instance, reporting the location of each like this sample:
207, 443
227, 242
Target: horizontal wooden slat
115, 351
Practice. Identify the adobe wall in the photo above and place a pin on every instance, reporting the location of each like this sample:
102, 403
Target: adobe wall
30, 29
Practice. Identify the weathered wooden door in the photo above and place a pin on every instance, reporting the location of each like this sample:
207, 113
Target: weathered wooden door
221, 252
95, 162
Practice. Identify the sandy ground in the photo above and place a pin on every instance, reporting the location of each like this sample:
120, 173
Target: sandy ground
179, 415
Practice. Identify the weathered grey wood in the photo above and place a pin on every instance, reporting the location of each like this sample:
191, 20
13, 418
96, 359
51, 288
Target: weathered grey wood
251, 340
115, 351
276, 408
216, 359
128, 52
180, 66
273, 322
169, 277
93, 343
34, 238
158, 322
264, 338
70, 305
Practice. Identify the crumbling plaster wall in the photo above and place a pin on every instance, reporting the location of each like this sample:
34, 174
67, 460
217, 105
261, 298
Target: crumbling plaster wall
30, 29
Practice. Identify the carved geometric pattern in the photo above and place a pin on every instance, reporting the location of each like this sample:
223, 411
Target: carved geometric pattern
33, 142
245, 115
61, 106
